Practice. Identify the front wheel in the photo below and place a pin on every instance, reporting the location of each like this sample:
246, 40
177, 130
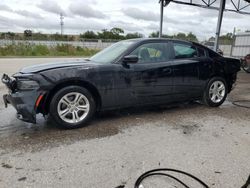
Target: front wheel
72, 106
215, 92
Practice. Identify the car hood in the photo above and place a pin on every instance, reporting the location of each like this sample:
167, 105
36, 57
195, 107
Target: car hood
50, 66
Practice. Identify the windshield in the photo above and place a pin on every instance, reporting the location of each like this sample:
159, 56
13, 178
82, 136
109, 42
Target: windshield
112, 52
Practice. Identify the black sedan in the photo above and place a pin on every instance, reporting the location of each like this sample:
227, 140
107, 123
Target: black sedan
128, 73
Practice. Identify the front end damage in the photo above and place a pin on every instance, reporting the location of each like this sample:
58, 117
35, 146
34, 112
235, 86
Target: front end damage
24, 101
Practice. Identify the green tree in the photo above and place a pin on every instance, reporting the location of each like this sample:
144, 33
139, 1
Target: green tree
88, 35
181, 36
134, 35
117, 31
105, 34
110, 34
8, 35
39, 36
27, 33
154, 34
191, 37
60, 37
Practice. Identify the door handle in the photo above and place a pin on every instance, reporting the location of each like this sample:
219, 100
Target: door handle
167, 70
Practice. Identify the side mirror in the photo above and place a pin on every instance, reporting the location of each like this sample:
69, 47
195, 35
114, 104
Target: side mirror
130, 59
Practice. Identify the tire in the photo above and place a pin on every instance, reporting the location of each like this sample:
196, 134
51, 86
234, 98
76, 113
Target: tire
72, 107
215, 92
246, 63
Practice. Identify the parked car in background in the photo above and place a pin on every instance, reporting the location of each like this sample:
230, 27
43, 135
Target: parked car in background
246, 63
135, 72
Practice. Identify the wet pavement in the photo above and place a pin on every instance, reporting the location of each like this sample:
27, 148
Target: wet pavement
117, 147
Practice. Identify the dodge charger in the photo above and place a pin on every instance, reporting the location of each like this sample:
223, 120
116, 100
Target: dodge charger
129, 73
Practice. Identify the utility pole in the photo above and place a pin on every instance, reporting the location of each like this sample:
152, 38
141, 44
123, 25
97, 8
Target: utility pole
61, 22
161, 17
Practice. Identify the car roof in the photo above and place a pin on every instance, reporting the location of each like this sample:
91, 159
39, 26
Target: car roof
169, 39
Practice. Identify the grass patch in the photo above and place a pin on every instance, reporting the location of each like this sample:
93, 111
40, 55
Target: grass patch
28, 50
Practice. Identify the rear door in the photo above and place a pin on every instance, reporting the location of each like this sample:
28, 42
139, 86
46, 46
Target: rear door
186, 60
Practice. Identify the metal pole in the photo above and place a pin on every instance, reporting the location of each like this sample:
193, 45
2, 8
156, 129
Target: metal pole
221, 11
161, 19
233, 42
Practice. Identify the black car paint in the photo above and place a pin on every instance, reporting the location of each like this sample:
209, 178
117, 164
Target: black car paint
118, 85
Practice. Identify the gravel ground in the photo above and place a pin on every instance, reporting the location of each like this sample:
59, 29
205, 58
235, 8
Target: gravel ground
116, 147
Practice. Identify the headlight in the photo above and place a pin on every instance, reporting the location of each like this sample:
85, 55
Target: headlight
27, 85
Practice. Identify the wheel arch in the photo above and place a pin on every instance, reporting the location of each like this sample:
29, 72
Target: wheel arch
219, 70
229, 78
44, 105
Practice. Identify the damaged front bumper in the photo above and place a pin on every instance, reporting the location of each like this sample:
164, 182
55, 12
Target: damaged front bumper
23, 101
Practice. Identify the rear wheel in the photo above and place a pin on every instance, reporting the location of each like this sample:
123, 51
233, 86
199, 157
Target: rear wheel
215, 92
71, 107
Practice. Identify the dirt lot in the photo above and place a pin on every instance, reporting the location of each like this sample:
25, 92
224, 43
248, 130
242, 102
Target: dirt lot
116, 147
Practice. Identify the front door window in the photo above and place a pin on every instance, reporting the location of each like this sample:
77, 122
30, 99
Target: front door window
151, 53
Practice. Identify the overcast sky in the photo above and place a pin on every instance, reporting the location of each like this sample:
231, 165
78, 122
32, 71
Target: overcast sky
131, 15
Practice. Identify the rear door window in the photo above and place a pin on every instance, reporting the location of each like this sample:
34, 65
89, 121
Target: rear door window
183, 51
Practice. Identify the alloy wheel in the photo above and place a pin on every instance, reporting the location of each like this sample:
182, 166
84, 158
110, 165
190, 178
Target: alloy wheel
73, 107
217, 91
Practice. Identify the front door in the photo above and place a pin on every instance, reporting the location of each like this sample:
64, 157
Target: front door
151, 76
